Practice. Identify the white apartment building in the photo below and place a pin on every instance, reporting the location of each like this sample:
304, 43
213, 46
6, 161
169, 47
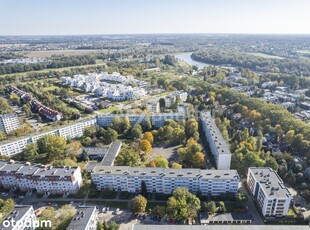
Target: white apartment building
153, 107
40, 178
20, 218
100, 84
161, 180
8, 123
169, 101
219, 147
86, 218
70, 131
180, 94
267, 187
157, 120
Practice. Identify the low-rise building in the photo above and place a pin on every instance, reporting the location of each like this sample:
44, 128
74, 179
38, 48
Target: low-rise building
8, 123
86, 218
20, 218
42, 179
218, 145
271, 194
161, 180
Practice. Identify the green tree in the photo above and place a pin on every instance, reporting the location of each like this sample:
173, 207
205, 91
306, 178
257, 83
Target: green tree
144, 191
221, 208
136, 131
209, 207
138, 204
158, 162
183, 205
175, 165
30, 152
272, 163
128, 157
53, 146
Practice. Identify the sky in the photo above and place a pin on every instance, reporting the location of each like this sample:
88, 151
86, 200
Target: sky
77, 17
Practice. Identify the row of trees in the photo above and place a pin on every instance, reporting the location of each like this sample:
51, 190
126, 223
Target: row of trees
55, 62
275, 65
181, 206
51, 149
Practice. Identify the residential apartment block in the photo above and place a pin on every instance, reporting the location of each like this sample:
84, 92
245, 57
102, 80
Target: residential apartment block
86, 218
8, 123
161, 180
157, 120
104, 84
20, 218
267, 187
70, 131
40, 178
169, 101
42, 109
219, 147
153, 107
180, 94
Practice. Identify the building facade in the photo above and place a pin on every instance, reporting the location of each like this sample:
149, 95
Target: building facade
8, 123
42, 179
153, 107
267, 187
86, 218
20, 218
160, 180
157, 120
219, 147
11, 148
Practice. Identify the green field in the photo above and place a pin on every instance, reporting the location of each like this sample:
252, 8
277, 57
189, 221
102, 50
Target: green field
266, 55
110, 109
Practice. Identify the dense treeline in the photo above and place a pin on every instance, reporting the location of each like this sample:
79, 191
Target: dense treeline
298, 66
56, 62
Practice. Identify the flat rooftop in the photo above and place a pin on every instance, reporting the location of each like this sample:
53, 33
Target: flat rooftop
219, 227
185, 173
217, 138
17, 213
270, 181
81, 218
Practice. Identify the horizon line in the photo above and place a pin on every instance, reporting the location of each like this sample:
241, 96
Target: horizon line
128, 34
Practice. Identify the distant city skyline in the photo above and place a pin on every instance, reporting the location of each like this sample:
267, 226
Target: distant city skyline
77, 17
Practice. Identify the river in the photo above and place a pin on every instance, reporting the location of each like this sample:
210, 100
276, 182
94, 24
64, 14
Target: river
186, 57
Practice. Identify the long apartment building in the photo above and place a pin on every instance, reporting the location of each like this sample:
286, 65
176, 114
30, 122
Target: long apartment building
161, 180
11, 148
40, 178
157, 120
86, 218
20, 218
267, 187
8, 123
219, 147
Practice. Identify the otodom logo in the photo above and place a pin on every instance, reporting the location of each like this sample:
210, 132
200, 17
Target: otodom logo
29, 224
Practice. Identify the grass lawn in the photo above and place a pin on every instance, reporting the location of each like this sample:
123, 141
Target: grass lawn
110, 109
